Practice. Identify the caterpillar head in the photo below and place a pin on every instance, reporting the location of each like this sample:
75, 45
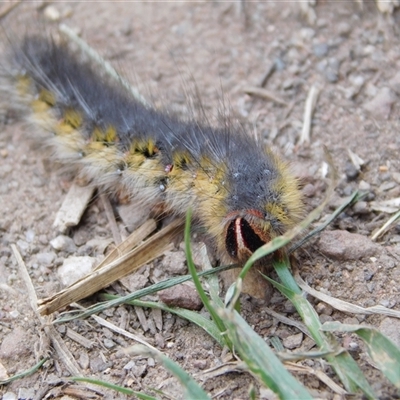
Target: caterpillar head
245, 232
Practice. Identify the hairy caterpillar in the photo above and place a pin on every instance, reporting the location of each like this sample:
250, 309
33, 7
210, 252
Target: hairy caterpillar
240, 192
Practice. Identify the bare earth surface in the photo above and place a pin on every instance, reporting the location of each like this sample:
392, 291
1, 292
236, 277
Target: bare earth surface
351, 55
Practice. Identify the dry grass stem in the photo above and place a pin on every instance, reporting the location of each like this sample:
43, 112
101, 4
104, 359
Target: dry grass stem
264, 94
110, 271
344, 305
308, 113
111, 219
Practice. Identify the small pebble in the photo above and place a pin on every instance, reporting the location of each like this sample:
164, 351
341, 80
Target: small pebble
289, 307
361, 207
130, 365
384, 303
38, 182
108, 343
98, 365
364, 186
323, 308
321, 49
80, 237
51, 13
29, 235
151, 362
351, 171
343, 29
23, 246
75, 268
293, 341
46, 258
307, 33
200, 364
63, 243
309, 190
133, 215
175, 262
15, 345
329, 69
381, 105
14, 314
183, 295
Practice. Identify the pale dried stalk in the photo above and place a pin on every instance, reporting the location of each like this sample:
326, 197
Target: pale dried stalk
113, 268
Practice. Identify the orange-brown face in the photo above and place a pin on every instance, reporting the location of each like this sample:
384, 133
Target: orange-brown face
244, 234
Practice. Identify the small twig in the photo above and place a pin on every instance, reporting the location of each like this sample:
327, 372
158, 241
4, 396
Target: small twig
308, 113
56, 340
386, 226
357, 161
121, 331
287, 321
25, 373
319, 374
73, 206
342, 305
112, 271
270, 70
27, 281
111, 219
264, 94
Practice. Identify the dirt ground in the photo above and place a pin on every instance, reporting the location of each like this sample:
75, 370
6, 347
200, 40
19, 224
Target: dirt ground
351, 54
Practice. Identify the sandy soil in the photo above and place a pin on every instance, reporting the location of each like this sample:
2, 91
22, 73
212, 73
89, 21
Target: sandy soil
351, 55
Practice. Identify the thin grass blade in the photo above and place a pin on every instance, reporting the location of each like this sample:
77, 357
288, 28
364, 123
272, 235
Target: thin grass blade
117, 388
384, 353
260, 359
192, 316
192, 269
344, 365
192, 388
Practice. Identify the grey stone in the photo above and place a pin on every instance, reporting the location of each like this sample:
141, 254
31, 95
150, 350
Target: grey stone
381, 105
46, 258
75, 268
321, 49
293, 341
63, 243
343, 245
15, 344
183, 295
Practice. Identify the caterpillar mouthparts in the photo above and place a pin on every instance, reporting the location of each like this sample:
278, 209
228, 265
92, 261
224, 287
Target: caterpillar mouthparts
240, 192
243, 236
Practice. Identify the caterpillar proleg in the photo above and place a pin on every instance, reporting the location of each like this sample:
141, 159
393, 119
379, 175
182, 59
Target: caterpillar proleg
239, 191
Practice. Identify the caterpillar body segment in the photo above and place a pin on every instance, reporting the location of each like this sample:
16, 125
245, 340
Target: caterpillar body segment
241, 193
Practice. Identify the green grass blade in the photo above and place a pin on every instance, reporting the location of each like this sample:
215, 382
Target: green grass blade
260, 359
192, 388
25, 373
353, 198
192, 316
96, 309
384, 353
117, 388
344, 365
192, 269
